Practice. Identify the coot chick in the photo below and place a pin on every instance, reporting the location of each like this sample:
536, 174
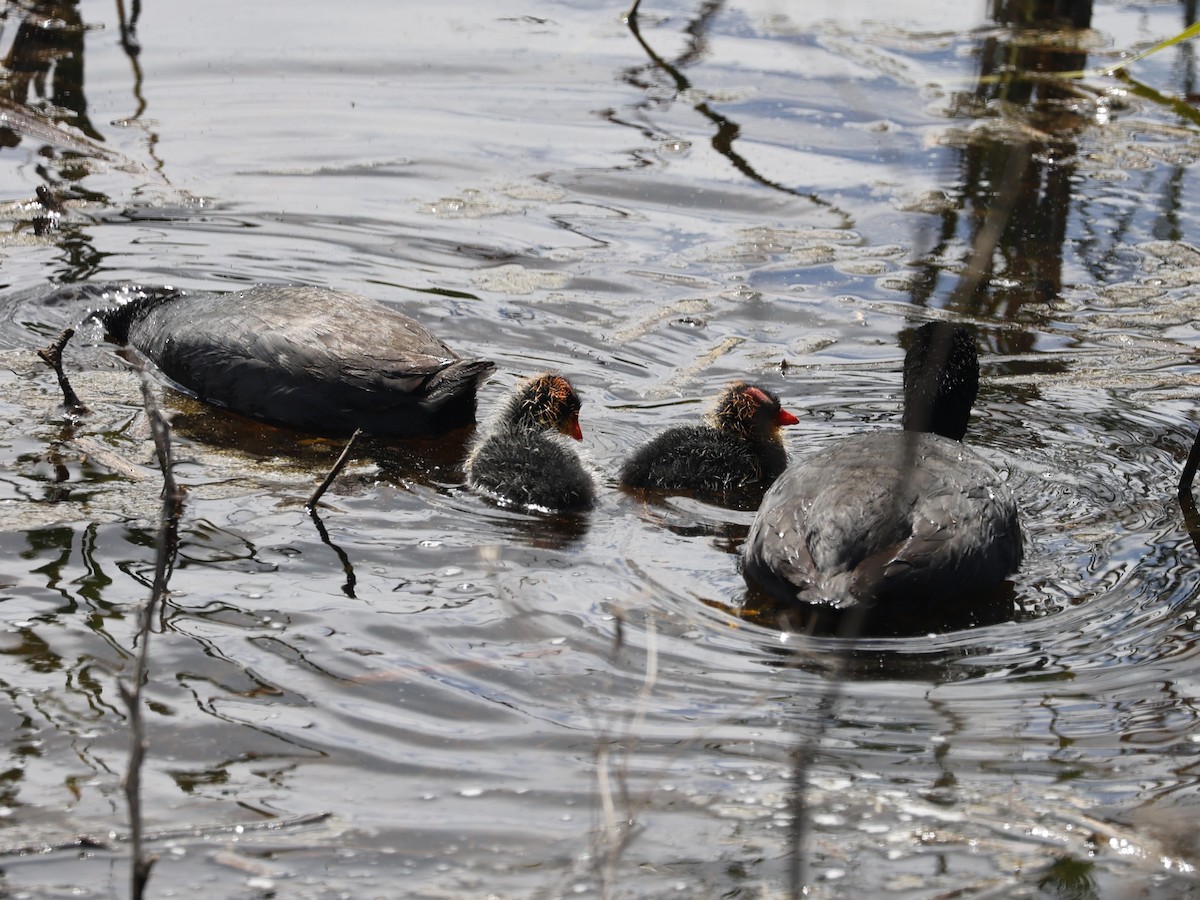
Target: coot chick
307, 358
910, 530
732, 459
520, 460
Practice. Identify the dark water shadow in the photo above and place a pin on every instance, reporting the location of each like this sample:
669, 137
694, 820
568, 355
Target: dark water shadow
907, 618
434, 463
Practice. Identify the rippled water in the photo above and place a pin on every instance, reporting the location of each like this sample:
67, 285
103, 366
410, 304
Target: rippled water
418, 694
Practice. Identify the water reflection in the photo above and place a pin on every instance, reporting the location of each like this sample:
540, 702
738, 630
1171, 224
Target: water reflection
132, 47
343, 557
414, 651
1016, 168
45, 66
725, 130
43, 98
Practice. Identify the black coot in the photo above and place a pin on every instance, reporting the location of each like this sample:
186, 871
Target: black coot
909, 529
732, 459
308, 358
520, 460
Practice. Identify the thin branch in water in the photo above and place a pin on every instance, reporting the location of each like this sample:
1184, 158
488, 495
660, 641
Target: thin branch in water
974, 274
164, 553
52, 356
1189, 469
337, 467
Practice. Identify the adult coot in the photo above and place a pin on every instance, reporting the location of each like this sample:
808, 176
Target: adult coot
520, 460
304, 357
733, 458
910, 529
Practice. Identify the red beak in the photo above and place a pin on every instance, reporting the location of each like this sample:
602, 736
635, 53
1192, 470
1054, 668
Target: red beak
786, 418
573, 429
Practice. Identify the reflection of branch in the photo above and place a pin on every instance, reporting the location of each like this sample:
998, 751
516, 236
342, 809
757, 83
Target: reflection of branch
805, 752
132, 48
1191, 518
347, 566
164, 554
1187, 504
129, 39
987, 239
618, 832
727, 131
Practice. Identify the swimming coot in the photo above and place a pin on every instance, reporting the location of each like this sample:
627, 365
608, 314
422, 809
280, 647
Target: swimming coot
520, 460
732, 459
308, 358
907, 528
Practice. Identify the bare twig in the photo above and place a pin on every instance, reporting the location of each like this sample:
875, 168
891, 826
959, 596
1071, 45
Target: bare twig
337, 467
52, 356
164, 553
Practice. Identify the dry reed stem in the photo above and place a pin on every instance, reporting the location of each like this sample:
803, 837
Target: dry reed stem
619, 833
164, 553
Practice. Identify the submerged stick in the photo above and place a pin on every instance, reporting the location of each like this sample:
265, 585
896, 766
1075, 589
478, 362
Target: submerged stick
164, 552
1187, 503
1189, 469
337, 467
52, 356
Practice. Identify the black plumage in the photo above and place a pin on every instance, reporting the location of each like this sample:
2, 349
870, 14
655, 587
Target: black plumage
521, 459
905, 528
308, 358
730, 459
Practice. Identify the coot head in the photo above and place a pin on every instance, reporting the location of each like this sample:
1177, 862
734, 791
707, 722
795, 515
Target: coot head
546, 402
751, 412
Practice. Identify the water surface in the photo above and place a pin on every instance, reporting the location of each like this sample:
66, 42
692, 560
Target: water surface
417, 693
